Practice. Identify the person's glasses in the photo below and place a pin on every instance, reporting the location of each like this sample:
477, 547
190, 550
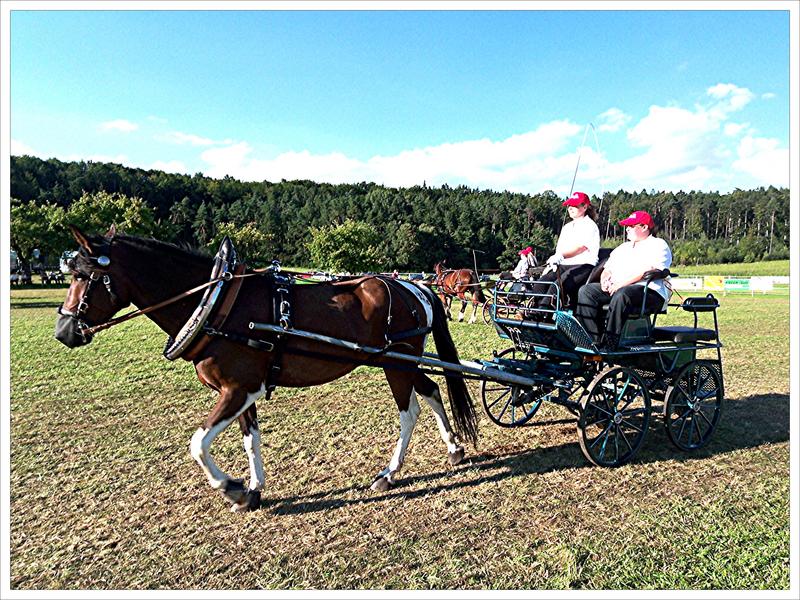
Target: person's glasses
634, 226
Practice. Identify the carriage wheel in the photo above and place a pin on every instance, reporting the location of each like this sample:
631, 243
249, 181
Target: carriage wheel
487, 312
510, 405
693, 405
615, 413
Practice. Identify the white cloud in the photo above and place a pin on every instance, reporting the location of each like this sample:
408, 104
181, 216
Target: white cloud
120, 125
121, 159
516, 163
179, 137
20, 149
734, 129
730, 98
172, 166
612, 120
764, 160
767, 96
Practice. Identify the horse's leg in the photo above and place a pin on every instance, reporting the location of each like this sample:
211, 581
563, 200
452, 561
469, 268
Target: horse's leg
463, 306
474, 300
231, 404
407, 404
429, 390
251, 438
446, 302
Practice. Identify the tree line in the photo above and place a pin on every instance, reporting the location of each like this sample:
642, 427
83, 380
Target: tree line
409, 229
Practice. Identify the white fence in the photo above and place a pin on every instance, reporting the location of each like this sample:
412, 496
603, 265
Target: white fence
725, 284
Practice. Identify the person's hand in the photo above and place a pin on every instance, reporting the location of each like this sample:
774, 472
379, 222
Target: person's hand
556, 259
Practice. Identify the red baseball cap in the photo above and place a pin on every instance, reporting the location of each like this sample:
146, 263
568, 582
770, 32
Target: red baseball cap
638, 217
576, 199
525, 251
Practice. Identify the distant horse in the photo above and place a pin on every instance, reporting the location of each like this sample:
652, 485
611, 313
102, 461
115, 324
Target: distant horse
458, 282
114, 271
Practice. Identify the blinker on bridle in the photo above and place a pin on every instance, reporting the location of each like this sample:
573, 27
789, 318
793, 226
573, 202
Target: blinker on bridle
83, 304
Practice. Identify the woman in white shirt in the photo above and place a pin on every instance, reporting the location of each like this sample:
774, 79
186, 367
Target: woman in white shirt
576, 252
621, 282
527, 260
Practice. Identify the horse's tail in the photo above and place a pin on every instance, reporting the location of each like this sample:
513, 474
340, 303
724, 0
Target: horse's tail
461, 405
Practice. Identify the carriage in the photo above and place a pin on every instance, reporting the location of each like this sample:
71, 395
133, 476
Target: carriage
613, 394
255, 330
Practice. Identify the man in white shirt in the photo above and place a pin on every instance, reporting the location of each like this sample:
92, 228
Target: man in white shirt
621, 282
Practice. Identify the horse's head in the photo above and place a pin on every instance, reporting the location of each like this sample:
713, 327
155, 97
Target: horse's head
438, 267
95, 293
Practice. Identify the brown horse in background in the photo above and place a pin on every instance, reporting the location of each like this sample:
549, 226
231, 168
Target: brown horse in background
114, 271
458, 282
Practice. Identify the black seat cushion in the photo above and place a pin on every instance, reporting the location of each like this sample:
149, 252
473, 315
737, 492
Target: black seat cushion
680, 334
602, 257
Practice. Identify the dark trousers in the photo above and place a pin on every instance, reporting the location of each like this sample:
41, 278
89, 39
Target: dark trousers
572, 278
626, 301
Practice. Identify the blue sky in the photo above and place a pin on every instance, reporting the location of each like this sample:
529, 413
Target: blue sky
490, 99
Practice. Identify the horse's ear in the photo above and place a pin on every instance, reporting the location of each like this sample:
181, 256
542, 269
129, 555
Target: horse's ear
112, 231
81, 239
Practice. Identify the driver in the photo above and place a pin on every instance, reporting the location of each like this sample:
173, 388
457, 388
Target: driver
621, 284
576, 252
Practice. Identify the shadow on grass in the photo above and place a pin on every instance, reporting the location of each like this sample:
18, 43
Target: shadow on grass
35, 304
745, 423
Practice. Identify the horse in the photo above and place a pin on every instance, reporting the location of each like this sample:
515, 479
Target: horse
113, 271
457, 282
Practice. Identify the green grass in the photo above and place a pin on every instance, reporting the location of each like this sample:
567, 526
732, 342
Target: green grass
104, 494
763, 268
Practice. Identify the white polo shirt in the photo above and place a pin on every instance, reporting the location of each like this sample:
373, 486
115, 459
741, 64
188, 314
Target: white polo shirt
521, 270
630, 259
579, 232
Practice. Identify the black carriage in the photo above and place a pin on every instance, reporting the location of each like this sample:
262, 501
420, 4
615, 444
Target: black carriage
612, 394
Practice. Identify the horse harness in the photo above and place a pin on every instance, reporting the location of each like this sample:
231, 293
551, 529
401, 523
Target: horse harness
221, 292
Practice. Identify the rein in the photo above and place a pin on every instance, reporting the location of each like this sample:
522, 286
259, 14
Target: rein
143, 311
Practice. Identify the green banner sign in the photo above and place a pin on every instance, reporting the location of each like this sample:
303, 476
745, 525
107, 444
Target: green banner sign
737, 284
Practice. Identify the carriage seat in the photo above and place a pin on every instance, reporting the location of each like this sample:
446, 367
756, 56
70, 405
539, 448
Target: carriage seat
680, 334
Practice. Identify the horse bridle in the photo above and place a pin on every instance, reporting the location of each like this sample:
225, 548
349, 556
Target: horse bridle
94, 277
83, 303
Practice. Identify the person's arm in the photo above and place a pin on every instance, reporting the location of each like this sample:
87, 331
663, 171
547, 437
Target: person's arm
621, 284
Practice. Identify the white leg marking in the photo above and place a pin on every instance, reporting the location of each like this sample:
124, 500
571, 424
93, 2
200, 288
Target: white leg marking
449, 438
252, 445
202, 439
408, 419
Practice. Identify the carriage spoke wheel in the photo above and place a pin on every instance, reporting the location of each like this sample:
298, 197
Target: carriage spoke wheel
693, 405
510, 405
487, 312
615, 413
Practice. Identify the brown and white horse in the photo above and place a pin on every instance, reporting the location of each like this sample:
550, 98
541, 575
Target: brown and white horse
458, 282
114, 271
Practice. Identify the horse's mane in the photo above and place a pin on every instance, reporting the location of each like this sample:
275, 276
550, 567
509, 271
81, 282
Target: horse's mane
183, 253
154, 245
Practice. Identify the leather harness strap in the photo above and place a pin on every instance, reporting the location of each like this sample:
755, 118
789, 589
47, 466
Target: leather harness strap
221, 315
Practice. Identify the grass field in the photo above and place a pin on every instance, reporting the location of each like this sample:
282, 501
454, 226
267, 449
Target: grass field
104, 494
763, 268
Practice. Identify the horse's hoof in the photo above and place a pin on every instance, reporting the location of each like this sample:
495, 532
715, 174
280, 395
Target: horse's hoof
456, 457
234, 491
381, 484
249, 502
